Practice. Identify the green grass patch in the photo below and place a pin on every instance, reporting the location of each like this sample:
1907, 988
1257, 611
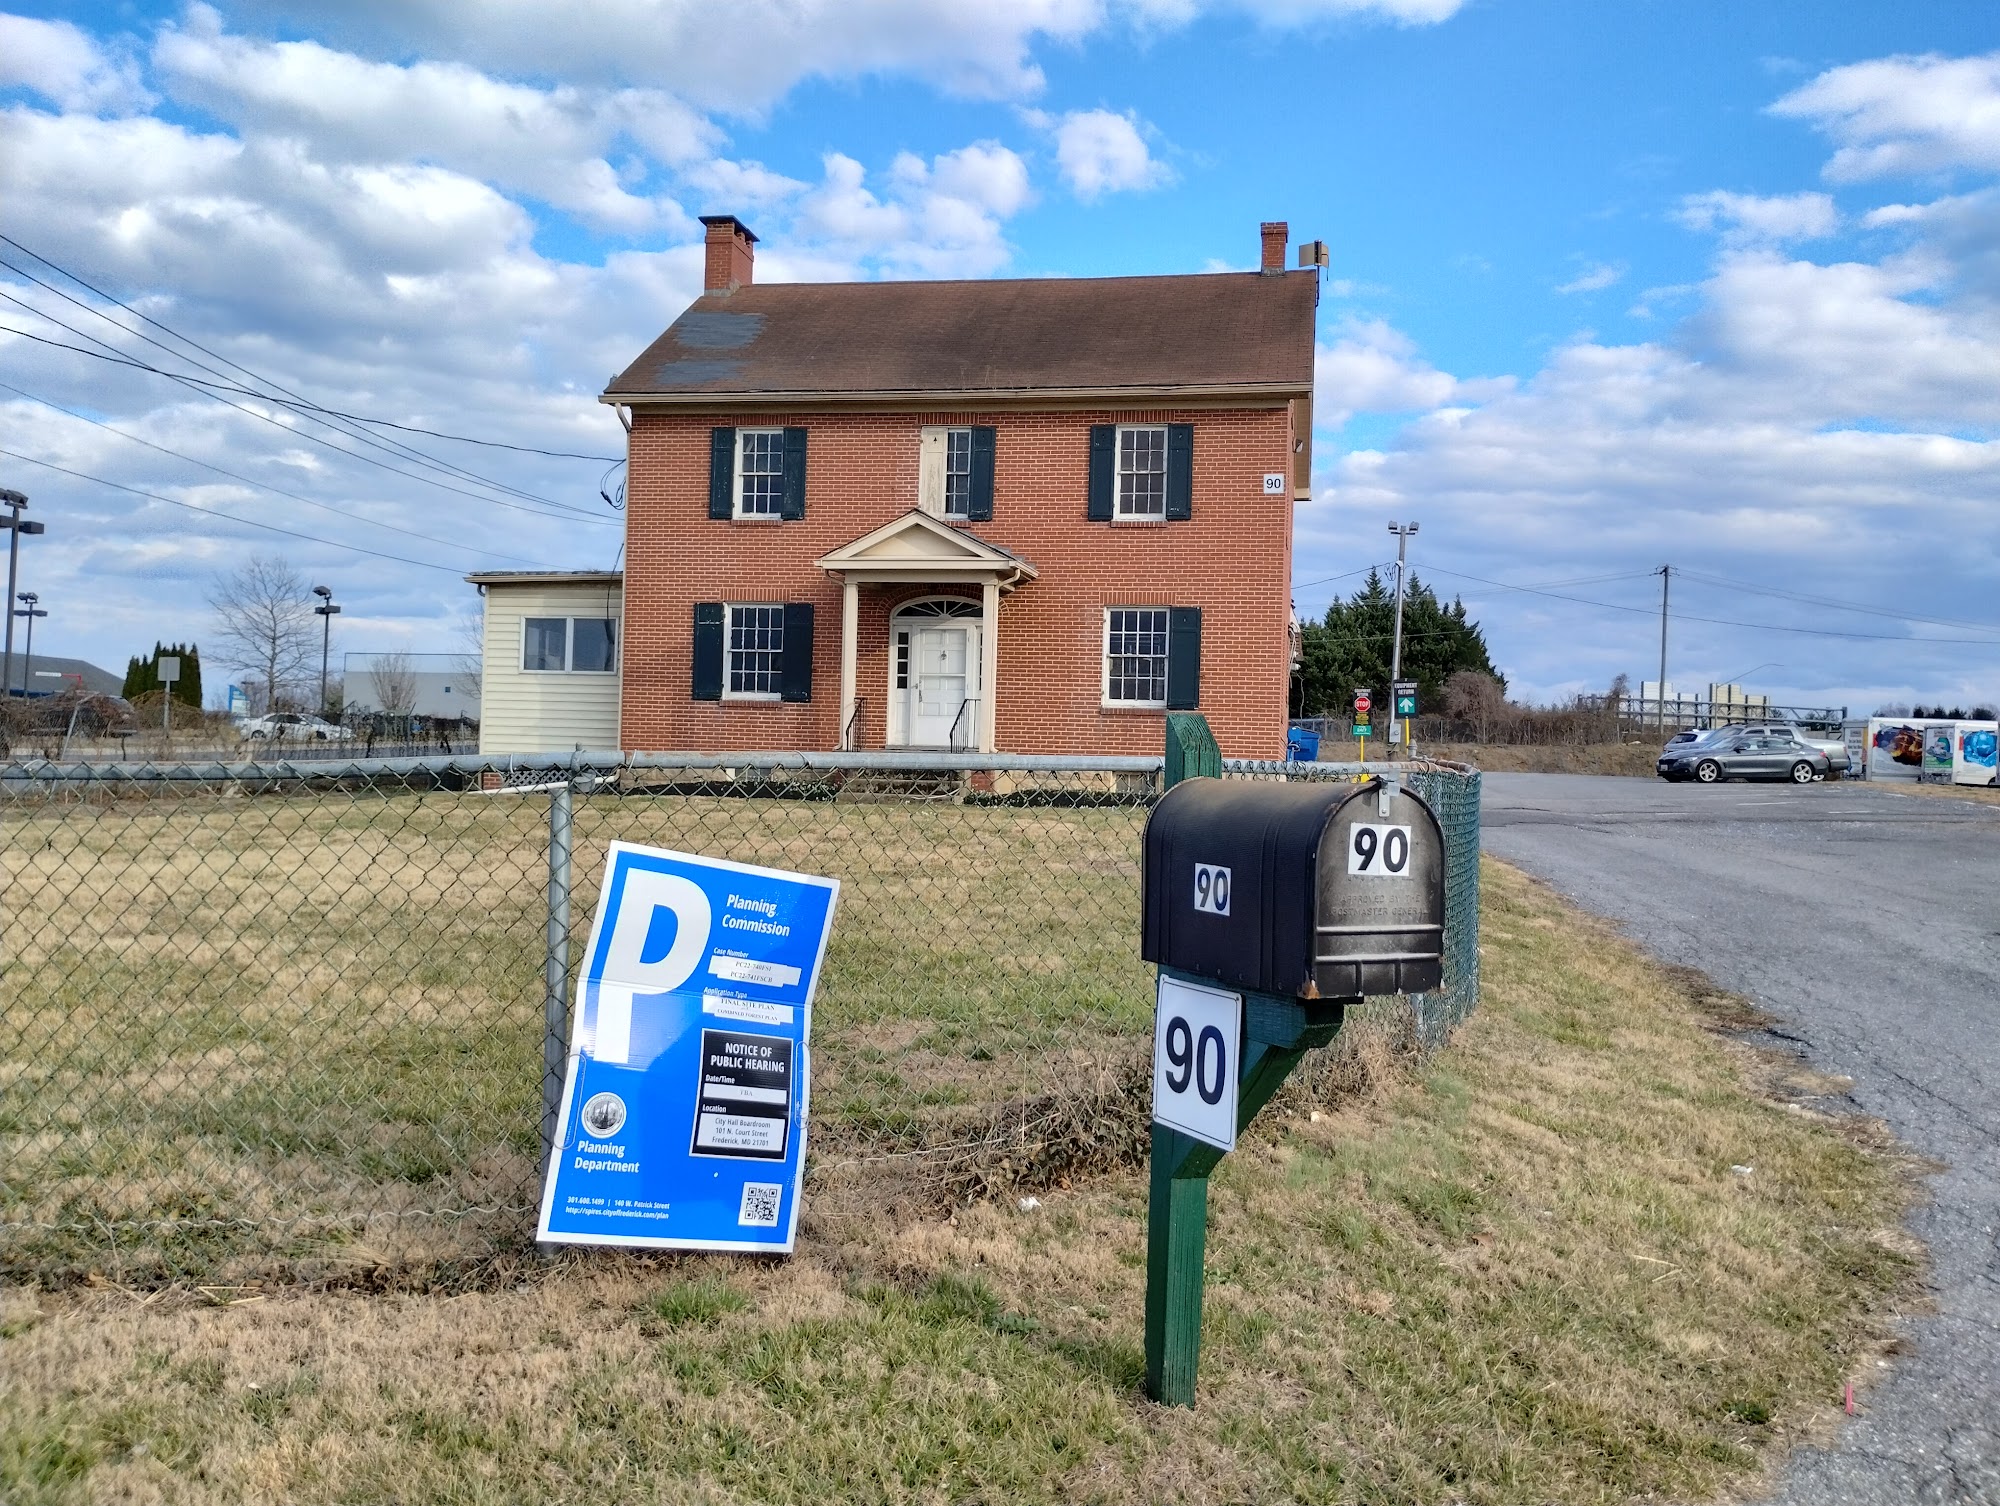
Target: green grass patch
1525, 1271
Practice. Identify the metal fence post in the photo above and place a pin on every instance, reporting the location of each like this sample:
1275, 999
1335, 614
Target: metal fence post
555, 968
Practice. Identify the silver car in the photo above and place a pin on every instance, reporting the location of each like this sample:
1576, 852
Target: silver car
1744, 753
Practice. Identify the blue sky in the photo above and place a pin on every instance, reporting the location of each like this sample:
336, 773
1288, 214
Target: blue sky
1612, 285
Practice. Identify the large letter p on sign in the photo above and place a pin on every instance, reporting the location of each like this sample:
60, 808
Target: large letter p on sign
626, 972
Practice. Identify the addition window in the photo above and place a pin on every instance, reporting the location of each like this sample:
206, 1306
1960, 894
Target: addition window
957, 473
755, 663
1135, 656
1142, 472
578, 645
760, 472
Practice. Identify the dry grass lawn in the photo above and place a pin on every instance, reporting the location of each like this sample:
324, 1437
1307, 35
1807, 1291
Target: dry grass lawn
1595, 1251
1636, 759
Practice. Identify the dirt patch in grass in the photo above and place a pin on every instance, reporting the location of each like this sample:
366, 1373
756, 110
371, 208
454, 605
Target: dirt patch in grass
1597, 1250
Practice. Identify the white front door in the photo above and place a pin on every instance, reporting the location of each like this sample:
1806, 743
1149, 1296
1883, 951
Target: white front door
944, 685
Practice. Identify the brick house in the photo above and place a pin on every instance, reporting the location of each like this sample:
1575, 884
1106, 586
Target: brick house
1026, 516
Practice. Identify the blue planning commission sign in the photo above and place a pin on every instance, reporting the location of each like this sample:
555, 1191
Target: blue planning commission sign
684, 1108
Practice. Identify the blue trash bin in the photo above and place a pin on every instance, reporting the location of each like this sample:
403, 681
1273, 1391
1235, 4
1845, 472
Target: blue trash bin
1302, 745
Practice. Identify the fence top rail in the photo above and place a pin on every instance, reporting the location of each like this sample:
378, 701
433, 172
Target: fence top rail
579, 763
602, 763
1334, 768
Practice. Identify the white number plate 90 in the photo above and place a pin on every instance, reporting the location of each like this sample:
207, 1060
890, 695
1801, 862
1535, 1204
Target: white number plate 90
1378, 851
1211, 889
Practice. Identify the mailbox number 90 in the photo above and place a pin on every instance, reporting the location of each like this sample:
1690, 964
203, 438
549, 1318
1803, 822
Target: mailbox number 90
1378, 851
1202, 1060
1211, 889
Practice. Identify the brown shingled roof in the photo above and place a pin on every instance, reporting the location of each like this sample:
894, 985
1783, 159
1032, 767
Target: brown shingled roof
1213, 332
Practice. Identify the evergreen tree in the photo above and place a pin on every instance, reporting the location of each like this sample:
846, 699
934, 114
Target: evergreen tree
1351, 647
142, 673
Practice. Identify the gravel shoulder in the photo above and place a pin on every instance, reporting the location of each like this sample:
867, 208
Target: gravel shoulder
1867, 921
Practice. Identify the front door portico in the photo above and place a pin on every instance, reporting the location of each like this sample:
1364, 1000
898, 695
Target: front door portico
940, 696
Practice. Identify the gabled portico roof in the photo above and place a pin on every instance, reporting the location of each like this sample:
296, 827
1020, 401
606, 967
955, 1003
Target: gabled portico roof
920, 549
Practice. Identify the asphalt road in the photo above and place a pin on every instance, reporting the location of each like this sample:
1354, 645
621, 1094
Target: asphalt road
1868, 923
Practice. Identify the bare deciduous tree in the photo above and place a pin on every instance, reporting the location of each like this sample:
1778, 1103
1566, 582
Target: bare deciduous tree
470, 665
265, 625
394, 683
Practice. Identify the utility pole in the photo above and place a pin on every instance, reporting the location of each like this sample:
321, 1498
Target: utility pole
30, 608
1403, 532
1666, 575
325, 612
15, 525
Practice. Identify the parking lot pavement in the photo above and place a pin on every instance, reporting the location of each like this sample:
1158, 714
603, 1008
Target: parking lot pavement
1868, 923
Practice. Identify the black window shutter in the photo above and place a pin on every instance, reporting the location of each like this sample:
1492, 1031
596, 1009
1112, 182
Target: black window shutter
1103, 471
708, 650
1183, 658
793, 504
979, 507
795, 662
721, 472
1180, 471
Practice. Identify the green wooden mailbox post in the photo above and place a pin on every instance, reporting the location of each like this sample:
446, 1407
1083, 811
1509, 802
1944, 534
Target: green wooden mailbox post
1263, 936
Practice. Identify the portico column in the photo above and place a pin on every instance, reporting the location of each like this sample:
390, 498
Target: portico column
989, 663
850, 639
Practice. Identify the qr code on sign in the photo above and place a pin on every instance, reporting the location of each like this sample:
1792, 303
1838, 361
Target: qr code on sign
760, 1205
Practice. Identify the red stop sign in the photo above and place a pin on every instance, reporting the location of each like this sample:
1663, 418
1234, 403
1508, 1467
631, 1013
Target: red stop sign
1362, 703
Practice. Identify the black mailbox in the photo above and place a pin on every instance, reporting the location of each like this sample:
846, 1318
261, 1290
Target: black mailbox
1301, 890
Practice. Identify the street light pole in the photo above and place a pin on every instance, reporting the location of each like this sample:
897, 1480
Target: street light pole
325, 612
15, 525
31, 609
1403, 532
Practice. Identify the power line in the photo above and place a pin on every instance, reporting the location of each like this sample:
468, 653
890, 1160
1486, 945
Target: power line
1329, 579
566, 509
259, 485
289, 399
168, 329
1768, 627
388, 447
301, 406
1821, 601
293, 533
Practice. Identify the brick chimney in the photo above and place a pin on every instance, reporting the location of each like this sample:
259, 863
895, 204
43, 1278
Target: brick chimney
1276, 233
731, 257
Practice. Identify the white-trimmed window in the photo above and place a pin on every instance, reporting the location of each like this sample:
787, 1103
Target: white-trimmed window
760, 473
957, 473
753, 667
1142, 472
573, 645
1135, 656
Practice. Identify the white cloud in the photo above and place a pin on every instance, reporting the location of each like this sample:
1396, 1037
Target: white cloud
1594, 278
736, 186
766, 47
745, 60
548, 143
1101, 151
1748, 220
940, 218
1287, 13
1900, 116
66, 66
1807, 423
1372, 367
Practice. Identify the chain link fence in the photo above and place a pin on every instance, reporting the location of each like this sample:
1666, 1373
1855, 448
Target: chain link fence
300, 1021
